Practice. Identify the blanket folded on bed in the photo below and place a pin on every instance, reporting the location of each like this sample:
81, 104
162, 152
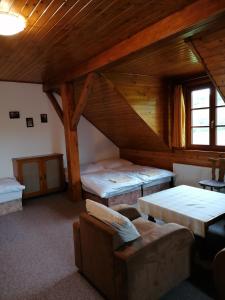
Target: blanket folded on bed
8, 185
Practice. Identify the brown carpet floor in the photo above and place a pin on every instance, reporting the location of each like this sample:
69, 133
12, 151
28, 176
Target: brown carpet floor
37, 259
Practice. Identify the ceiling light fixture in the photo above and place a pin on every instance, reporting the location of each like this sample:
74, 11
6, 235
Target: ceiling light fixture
11, 23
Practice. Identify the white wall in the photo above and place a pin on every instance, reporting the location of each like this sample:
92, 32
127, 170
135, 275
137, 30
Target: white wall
93, 145
15, 138
44, 138
190, 175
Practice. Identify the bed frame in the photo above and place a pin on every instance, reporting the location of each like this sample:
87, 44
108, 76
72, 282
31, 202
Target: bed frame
10, 206
129, 197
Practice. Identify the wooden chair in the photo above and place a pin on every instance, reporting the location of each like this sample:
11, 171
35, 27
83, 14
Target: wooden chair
214, 183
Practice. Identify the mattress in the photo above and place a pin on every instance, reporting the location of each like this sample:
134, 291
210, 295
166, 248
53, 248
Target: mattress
5, 197
8, 185
109, 183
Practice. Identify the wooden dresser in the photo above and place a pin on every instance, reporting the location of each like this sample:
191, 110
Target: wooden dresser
40, 174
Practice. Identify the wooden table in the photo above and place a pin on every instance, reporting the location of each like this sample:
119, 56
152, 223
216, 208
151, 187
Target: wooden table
192, 207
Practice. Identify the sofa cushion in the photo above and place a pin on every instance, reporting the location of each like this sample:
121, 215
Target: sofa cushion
126, 230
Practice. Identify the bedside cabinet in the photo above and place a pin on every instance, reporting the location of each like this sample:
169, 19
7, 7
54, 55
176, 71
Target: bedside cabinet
40, 174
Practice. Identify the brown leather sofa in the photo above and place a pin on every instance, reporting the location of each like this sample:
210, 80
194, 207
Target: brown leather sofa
143, 269
219, 274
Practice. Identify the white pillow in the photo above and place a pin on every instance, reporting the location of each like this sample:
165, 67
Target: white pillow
114, 163
90, 168
125, 228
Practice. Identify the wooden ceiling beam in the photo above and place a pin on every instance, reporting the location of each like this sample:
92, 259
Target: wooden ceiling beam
55, 104
81, 103
179, 22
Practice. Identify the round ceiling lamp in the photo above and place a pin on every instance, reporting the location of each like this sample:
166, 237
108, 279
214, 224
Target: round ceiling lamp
11, 23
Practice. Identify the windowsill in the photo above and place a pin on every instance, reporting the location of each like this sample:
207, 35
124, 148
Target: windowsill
195, 150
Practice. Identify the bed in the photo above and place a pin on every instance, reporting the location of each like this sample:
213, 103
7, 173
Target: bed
10, 195
119, 181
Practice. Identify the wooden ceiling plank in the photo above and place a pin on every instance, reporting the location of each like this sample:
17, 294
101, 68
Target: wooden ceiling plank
20, 50
55, 105
197, 53
175, 23
43, 52
82, 101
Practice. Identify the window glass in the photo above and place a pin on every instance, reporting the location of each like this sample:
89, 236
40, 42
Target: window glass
200, 136
200, 98
220, 136
200, 117
219, 100
220, 116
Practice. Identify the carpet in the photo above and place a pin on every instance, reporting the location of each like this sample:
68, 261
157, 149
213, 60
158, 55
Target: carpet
37, 258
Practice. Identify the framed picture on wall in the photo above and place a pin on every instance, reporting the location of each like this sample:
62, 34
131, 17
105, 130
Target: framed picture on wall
44, 118
14, 114
30, 122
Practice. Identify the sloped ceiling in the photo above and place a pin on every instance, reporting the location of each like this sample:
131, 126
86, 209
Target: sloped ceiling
109, 111
210, 49
148, 96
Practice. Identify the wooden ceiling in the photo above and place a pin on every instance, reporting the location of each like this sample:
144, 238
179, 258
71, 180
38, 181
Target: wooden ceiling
61, 33
170, 60
210, 49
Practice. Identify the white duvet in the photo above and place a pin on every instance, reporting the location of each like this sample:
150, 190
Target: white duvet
8, 185
109, 183
146, 174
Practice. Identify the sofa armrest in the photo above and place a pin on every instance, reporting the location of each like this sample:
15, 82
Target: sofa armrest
126, 210
219, 273
149, 241
165, 253
77, 245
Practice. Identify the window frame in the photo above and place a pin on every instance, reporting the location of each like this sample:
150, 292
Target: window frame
212, 117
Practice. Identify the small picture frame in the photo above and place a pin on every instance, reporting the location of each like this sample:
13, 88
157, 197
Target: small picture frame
44, 118
30, 122
14, 114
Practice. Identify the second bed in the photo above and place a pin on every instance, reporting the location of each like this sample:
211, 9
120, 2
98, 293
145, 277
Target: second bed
118, 181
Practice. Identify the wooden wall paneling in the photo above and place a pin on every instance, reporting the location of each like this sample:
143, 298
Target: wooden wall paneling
82, 100
56, 105
148, 96
110, 112
166, 159
173, 24
71, 138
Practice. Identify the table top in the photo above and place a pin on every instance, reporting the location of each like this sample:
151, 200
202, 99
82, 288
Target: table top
189, 206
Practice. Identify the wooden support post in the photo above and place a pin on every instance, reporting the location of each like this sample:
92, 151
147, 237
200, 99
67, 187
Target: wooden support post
55, 104
81, 103
71, 143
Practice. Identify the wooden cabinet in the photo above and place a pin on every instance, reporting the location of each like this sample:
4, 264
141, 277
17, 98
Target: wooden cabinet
40, 174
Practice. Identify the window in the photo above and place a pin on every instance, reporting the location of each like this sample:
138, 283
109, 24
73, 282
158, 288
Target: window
206, 118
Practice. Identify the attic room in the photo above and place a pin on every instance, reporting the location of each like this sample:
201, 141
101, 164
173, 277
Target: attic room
112, 129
